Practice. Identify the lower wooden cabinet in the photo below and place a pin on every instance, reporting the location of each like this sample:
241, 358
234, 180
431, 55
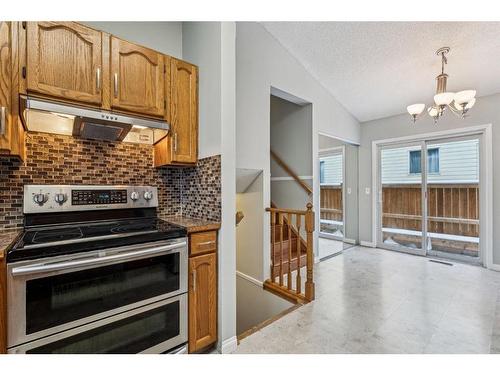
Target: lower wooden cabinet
202, 301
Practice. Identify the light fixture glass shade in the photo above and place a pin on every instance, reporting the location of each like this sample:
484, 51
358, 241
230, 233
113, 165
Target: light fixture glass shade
415, 109
464, 96
444, 98
432, 111
469, 105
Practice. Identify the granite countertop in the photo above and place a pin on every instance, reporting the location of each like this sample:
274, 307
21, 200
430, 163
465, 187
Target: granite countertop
192, 224
7, 238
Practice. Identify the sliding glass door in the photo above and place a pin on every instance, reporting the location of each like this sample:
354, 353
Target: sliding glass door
428, 198
401, 208
453, 199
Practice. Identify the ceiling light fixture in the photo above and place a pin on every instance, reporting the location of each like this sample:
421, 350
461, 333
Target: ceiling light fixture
459, 103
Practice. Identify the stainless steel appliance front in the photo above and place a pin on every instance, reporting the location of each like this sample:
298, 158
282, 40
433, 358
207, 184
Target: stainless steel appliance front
154, 328
51, 295
66, 198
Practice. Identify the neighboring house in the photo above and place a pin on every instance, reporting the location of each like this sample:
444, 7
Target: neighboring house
330, 169
447, 163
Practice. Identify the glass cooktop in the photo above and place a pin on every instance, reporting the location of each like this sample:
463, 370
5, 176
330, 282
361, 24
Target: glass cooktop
63, 239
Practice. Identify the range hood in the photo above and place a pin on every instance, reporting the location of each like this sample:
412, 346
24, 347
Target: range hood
57, 118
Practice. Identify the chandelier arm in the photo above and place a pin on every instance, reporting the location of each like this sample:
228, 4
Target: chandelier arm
457, 113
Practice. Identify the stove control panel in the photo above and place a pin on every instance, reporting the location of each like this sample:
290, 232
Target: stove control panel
90, 197
55, 198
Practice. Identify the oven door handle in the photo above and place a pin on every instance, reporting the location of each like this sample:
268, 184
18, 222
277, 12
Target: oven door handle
48, 267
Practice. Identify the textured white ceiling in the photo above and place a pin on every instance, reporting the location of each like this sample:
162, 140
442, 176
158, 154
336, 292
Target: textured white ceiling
376, 69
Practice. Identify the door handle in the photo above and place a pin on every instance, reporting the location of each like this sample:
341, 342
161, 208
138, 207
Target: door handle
3, 120
175, 142
98, 79
115, 81
194, 280
57, 266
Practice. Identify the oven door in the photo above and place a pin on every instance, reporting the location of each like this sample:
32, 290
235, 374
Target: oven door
54, 294
153, 328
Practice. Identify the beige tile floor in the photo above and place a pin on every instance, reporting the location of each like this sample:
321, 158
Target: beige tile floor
328, 247
378, 301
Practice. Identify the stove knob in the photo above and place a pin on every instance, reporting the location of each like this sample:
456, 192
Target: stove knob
148, 195
134, 195
60, 198
40, 198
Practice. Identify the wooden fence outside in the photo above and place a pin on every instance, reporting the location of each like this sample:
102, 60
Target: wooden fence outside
331, 202
452, 208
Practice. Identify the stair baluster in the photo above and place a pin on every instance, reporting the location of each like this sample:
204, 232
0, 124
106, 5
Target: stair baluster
298, 219
291, 262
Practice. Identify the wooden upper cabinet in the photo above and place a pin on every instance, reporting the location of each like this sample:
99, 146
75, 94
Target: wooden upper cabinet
184, 111
64, 60
11, 128
202, 301
137, 76
5, 87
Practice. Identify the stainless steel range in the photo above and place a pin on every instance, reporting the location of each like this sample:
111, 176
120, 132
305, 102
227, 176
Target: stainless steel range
96, 271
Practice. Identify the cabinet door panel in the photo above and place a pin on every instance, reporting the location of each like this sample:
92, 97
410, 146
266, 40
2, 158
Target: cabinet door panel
5, 87
184, 111
202, 301
64, 61
138, 78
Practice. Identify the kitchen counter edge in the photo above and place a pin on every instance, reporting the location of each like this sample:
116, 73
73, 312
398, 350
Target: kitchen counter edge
192, 224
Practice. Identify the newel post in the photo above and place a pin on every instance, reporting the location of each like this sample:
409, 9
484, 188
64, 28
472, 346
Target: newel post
309, 289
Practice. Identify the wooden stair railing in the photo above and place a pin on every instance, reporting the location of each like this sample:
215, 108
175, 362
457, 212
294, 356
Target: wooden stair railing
291, 173
287, 254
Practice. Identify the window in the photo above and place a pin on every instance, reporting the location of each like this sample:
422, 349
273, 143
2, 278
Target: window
321, 172
432, 161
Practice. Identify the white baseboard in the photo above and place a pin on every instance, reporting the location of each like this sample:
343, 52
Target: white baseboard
494, 267
350, 240
229, 345
367, 244
250, 279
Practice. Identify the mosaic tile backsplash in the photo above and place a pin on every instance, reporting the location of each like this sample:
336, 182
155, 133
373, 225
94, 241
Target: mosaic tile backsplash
58, 159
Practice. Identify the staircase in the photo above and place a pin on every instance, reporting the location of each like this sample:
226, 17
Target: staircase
290, 254
280, 246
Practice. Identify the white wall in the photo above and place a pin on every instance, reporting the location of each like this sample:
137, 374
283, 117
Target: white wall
249, 231
201, 45
291, 136
255, 305
165, 37
486, 111
261, 62
211, 46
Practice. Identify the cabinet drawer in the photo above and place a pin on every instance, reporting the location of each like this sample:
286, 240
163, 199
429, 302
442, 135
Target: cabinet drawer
202, 242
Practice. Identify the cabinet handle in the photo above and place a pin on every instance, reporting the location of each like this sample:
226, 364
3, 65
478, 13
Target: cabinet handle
115, 80
98, 79
3, 114
194, 280
175, 142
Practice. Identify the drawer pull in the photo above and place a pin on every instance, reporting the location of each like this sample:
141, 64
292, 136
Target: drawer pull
3, 120
115, 84
98, 79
